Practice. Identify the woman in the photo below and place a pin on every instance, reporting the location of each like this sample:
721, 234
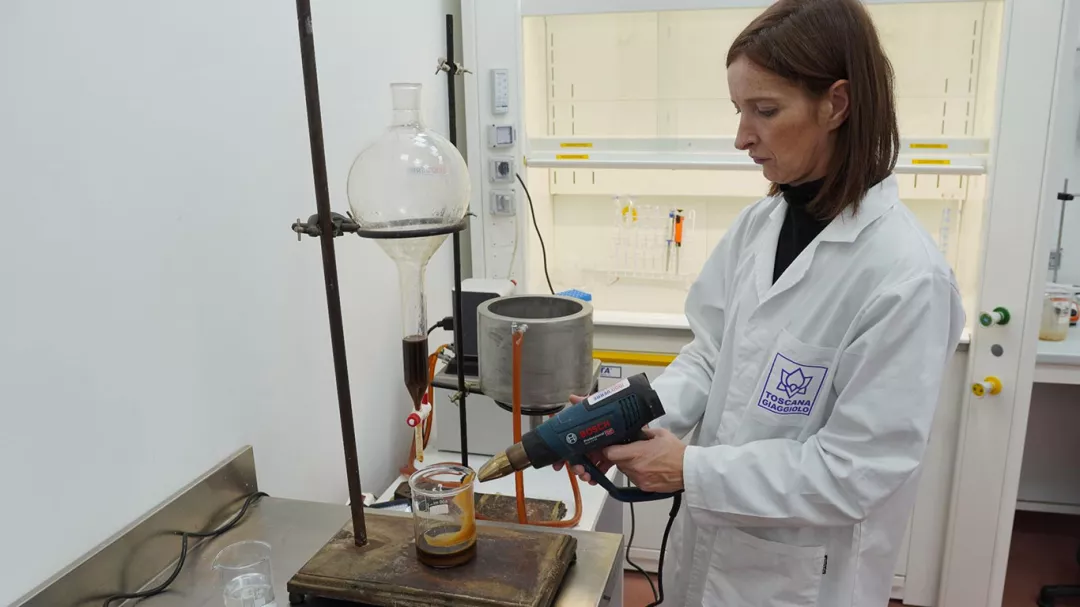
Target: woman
823, 323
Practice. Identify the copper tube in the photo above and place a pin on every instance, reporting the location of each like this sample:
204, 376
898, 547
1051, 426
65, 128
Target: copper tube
519, 480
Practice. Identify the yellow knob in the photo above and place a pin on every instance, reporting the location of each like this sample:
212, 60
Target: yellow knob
990, 385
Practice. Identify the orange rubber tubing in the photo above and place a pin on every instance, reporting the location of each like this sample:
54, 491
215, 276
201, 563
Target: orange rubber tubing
519, 478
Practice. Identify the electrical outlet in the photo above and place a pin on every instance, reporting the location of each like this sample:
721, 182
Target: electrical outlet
502, 202
501, 170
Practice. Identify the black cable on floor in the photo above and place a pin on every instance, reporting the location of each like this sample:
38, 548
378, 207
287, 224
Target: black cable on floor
184, 535
629, 543
676, 503
543, 249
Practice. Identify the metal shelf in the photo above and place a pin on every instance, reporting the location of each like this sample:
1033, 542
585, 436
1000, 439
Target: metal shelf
964, 156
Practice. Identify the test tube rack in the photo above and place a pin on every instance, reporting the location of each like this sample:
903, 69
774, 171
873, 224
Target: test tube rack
648, 241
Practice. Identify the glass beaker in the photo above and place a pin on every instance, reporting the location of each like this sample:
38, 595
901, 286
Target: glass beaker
444, 522
245, 572
1057, 309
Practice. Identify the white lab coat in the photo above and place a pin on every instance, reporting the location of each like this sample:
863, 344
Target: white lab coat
811, 402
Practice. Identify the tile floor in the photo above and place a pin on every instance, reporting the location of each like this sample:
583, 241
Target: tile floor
1043, 552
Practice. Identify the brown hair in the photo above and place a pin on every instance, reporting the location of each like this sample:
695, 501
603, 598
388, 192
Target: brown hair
814, 43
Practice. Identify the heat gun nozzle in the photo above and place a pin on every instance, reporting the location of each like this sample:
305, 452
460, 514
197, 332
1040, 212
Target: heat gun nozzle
511, 460
496, 467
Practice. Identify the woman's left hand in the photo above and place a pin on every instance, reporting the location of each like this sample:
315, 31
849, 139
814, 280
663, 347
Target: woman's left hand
653, 465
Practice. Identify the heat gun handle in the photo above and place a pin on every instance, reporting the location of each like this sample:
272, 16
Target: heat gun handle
623, 494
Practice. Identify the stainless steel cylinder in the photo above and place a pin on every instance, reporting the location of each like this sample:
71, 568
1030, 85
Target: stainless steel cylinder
556, 354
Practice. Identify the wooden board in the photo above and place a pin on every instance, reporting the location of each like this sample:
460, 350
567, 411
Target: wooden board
504, 507
515, 567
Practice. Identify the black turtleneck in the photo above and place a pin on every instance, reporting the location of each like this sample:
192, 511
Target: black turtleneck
800, 228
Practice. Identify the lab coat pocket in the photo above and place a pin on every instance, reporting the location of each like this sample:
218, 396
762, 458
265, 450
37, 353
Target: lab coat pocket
746, 571
792, 393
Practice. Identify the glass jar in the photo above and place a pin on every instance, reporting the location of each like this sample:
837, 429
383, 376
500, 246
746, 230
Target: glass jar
444, 520
246, 574
1056, 314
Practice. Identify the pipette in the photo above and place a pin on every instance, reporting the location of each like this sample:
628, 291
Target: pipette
679, 217
670, 240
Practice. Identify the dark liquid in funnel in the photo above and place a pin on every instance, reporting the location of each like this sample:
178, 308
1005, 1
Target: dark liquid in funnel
414, 354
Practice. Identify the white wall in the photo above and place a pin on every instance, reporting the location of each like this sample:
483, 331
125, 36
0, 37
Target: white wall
157, 311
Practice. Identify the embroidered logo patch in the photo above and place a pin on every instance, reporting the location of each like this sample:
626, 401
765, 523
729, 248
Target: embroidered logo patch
791, 388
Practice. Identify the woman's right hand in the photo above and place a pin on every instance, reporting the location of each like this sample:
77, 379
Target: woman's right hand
597, 457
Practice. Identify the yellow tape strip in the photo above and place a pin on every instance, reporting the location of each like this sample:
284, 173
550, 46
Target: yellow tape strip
929, 146
575, 144
619, 357
931, 161
571, 156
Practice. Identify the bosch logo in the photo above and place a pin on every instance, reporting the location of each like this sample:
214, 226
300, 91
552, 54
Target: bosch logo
598, 428
571, 438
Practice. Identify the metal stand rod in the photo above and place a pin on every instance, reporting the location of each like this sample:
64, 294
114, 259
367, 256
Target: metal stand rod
1061, 228
330, 275
451, 88
459, 362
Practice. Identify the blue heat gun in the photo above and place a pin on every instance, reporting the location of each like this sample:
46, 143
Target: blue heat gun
612, 416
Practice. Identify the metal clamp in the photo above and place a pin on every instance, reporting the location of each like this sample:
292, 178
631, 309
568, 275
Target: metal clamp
1055, 255
453, 69
340, 224
446, 355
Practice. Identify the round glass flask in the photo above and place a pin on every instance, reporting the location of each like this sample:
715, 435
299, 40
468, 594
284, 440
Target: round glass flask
408, 190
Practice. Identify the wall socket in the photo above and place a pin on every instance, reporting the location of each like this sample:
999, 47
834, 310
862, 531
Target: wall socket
502, 202
501, 170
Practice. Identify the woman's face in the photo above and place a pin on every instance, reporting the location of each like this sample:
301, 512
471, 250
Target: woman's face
785, 130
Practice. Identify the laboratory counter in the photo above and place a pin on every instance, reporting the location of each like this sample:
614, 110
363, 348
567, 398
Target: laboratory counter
1065, 352
297, 529
1058, 362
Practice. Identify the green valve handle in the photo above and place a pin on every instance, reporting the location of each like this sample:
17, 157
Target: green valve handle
1000, 316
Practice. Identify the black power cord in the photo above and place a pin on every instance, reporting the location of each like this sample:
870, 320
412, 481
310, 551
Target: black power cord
658, 595
630, 543
676, 503
446, 323
184, 535
543, 249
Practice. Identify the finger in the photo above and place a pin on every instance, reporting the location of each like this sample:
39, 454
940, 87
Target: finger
652, 432
557, 466
578, 470
600, 461
585, 477
575, 399
622, 453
